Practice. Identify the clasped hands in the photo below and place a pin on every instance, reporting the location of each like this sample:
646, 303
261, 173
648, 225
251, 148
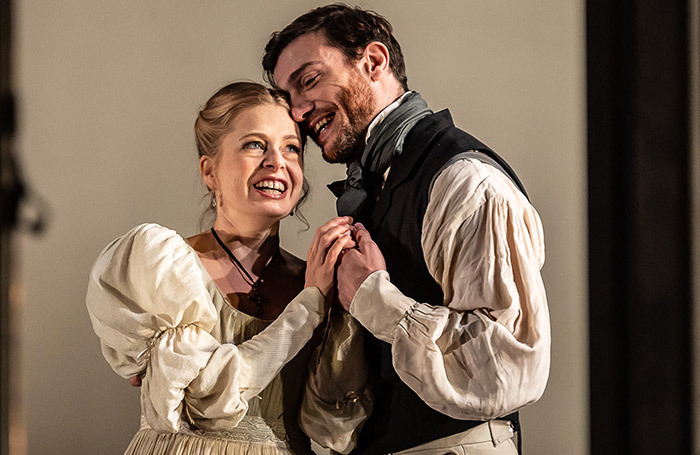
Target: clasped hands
342, 256
356, 264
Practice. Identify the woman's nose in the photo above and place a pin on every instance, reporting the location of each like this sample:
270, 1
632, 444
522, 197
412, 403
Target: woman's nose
273, 158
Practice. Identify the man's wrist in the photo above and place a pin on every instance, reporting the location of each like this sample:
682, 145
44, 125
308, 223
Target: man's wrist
379, 306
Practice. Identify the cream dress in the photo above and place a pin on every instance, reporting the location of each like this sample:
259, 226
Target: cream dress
215, 380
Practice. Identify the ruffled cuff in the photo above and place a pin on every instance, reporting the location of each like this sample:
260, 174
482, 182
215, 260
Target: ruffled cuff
176, 359
380, 306
214, 401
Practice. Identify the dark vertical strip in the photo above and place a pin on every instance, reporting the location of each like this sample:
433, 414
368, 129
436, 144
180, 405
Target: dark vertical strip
6, 217
639, 226
607, 322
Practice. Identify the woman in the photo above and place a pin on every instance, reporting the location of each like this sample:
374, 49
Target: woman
209, 322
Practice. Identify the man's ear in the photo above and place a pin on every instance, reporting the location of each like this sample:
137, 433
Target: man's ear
206, 168
375, 60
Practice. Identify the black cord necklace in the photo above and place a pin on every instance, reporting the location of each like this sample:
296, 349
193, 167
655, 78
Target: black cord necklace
255, 297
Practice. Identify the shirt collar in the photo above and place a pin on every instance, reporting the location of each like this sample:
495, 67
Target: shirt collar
382, 115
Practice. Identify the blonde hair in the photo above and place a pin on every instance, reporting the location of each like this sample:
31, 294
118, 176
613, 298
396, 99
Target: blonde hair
216, 118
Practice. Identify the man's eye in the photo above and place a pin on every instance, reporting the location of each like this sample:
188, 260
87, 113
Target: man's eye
311, 81
253, 145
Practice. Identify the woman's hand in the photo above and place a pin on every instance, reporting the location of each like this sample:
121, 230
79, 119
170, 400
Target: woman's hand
327, 246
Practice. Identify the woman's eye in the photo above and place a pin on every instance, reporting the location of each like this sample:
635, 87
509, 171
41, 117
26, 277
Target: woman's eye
254, 145
293, 149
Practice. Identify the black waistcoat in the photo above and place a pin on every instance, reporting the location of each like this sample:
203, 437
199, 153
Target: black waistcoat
400, 419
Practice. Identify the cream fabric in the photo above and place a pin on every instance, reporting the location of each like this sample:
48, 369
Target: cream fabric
486, 352
208, 367
490, 438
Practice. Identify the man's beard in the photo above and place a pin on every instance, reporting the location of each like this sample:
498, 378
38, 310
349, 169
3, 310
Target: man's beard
358, 102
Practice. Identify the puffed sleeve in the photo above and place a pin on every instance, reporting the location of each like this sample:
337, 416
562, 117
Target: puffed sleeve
485, 353
153, 311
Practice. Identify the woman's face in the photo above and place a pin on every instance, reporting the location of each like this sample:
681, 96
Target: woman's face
258, 170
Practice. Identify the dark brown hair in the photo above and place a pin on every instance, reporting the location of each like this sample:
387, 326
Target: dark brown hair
346, 28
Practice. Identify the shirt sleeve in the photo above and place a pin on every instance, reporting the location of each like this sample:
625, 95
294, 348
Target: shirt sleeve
153, 312
485, 353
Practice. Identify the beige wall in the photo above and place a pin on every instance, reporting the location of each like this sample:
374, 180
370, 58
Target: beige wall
108, 92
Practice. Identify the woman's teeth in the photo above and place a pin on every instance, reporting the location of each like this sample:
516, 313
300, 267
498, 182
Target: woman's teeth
271, 186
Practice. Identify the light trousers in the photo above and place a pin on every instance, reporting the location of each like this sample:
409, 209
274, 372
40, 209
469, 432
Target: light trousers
490, 438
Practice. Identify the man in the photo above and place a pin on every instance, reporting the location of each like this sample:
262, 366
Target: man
457, 315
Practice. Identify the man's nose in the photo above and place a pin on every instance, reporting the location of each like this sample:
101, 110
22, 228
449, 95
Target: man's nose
301, 108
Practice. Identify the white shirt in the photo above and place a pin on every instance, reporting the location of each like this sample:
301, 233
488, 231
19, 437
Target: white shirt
486, 352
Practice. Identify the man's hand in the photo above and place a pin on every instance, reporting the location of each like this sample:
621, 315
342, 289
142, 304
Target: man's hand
329, 242
357, 264
135, 381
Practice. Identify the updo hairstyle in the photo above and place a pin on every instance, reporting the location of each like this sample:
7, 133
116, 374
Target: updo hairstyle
215, 120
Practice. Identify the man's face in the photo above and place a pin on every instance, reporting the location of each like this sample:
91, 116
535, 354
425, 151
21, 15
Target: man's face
330, 97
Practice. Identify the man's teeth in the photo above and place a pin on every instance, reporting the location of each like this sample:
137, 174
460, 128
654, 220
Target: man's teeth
271, 185
320, 125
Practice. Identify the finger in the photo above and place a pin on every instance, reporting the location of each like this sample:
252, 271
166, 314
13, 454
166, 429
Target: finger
339, 231
340, 245
332, 255
334, 222
362, 236
351, 244
335, 250
320, 242
339, 223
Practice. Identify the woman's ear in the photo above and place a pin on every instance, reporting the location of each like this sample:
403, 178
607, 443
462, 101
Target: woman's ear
206, 168
376, 60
